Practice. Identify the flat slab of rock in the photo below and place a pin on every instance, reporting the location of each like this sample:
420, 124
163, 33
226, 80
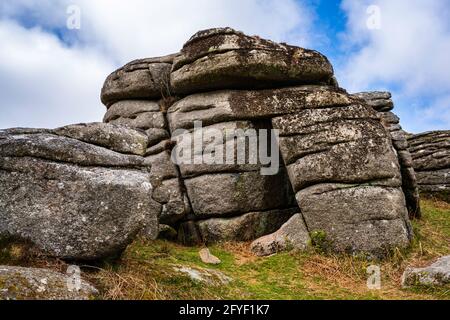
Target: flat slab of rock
130, 109
18, 283
292, 235
63, 149
214, 155
437, 274
229, 105
207, 257
227, 59
116, 138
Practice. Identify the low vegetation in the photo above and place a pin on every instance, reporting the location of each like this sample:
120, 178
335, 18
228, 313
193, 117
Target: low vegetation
145, 270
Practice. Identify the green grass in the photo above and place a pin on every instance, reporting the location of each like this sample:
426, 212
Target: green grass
145, 270
291, 275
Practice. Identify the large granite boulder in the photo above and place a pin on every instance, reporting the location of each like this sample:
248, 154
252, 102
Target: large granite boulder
431, 158
73, 199
18, 283
383, 104
139, 79
223, 58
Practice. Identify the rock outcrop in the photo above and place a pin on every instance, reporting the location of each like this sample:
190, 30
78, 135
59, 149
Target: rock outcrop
383, 104
231, 139
431, 159
66, 192
18, 283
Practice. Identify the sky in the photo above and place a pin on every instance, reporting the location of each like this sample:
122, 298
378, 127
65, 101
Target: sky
55, 55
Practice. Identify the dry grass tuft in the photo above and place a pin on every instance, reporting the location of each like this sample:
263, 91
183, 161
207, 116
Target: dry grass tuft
145, 270
241, 251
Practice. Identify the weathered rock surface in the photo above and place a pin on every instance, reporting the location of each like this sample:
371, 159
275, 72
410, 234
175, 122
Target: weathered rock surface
212, 156
382, 103
18, 283
139, 79
72, 199
173, 198
227, 59
65, 150
292, 235
437, 274
431, 158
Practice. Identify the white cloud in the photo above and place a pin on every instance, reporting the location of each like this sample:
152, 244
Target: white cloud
44, 82
408, 54
149, 28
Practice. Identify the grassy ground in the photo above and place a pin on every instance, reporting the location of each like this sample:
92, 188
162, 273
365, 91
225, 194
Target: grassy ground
145, 270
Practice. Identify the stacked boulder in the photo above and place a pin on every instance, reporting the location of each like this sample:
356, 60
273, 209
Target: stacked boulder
78, 192
137, 96
431, 158
383, 104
